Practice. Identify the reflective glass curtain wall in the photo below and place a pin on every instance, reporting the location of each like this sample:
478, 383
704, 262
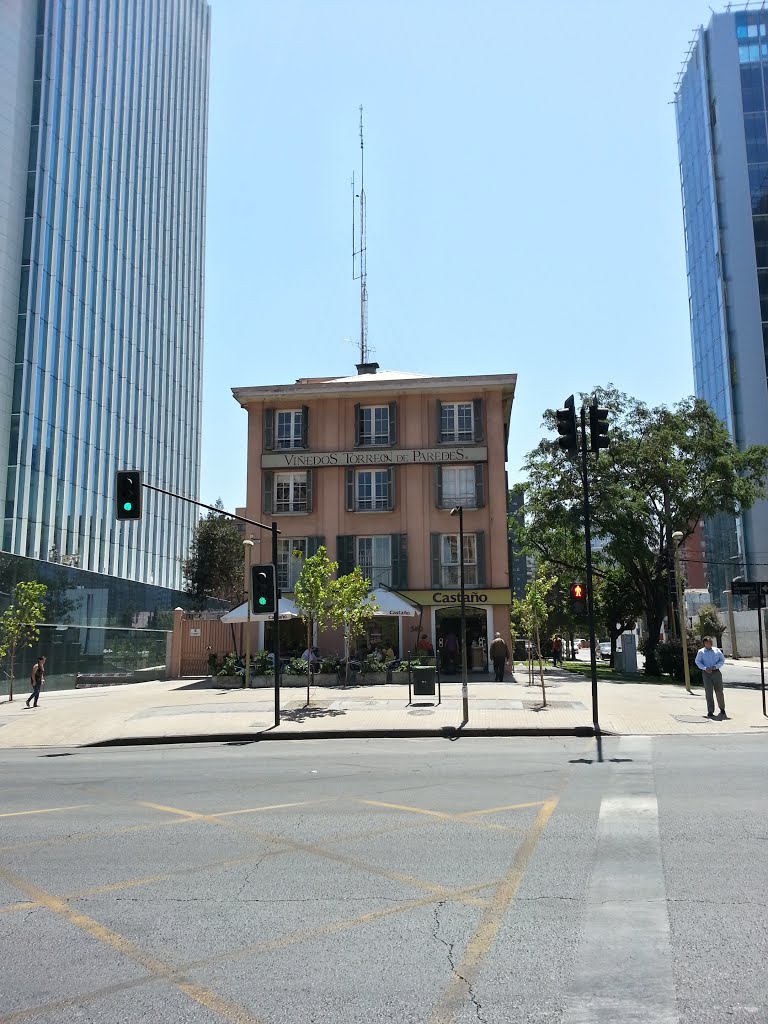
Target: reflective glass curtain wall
108, 361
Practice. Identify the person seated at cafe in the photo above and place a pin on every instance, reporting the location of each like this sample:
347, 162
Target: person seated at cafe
310, 655
424, 646
389, 654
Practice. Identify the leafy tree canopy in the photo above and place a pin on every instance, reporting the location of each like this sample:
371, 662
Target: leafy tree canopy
664, 471
214, 567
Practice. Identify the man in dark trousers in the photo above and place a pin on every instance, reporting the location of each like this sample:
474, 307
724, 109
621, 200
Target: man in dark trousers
37, 679
499, 657
710, 660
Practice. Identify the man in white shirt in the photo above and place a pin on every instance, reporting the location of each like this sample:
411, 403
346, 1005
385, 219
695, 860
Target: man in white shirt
710, 660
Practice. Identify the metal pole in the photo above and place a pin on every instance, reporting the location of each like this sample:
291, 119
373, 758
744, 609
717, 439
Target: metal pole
731, 624
681, 612
247, 673
760, 634
464, 688
588, 552
276, 627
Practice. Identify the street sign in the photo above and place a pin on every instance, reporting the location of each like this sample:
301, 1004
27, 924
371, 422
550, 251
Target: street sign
744, 588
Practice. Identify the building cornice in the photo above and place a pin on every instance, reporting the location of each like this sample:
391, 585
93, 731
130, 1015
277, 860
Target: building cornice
377, 385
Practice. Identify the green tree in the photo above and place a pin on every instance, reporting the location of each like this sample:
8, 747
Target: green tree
709, 623
664, 471
214, 567
312, 595
351, 607
532, 613
19, 625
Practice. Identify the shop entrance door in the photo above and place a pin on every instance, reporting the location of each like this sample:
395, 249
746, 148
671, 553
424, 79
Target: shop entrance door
448, 631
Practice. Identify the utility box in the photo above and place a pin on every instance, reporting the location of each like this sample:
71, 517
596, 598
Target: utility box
628, 653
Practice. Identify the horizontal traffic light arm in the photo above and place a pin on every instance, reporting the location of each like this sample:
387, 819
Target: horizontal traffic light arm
211, 508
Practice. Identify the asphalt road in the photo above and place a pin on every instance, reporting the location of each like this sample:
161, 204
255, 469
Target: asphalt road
414, 881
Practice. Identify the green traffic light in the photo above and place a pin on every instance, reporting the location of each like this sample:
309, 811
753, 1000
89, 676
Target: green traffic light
127, 506
262, 600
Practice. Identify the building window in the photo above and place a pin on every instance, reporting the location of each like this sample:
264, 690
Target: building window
291, 554
290, 492
458, 486
374, 424
450, 561
289, 428
373, 490
457, 421
374, 556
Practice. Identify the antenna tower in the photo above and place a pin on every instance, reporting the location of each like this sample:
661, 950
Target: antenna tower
359, 265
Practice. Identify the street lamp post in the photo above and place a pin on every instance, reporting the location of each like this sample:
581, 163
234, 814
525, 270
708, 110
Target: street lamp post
459, 511
677, 537
247, 674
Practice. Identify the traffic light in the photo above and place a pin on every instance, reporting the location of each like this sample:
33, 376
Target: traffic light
566, 427
263, 593
128, 494
578, 599
598, 428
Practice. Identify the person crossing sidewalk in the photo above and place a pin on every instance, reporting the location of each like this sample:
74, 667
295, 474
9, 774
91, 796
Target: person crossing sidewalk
37, 680
710, 660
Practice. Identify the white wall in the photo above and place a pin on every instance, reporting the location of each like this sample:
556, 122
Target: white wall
747, 640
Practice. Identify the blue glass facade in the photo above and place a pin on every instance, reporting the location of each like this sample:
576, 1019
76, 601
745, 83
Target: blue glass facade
722, 126
108, 360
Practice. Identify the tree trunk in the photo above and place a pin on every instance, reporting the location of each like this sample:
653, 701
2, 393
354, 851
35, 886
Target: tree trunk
541, 669
309, 656
651, 662
12, 654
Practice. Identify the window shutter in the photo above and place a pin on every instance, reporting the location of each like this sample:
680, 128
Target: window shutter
478, 419
313, 543
345, 554
479, 485
393, 423
480, 545
390, 489
399, 542
309, 490
357, 424
305, 426
434, 543
350, 488
269, 429
438, 486
439, 408
268, 478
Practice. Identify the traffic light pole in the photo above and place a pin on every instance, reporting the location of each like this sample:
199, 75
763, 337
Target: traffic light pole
588, 553
276, 626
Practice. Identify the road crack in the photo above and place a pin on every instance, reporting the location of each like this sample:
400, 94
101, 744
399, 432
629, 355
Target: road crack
452, 963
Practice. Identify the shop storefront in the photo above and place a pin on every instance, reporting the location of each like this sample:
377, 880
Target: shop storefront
485, 612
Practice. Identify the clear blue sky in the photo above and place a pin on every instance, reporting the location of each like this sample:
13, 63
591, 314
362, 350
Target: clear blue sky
523, 200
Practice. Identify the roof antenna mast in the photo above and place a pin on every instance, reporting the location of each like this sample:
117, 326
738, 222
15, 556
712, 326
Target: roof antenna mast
359, 267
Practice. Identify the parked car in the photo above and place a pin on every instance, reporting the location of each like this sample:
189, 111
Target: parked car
581, 644
604, 648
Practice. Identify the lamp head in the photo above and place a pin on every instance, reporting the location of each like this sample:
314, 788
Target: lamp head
248, 542
677, 536
457, 510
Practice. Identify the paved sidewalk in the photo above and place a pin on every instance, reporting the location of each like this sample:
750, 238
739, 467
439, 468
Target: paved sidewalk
184, 710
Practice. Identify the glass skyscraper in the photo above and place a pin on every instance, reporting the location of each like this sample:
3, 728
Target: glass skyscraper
721, 104
103, 137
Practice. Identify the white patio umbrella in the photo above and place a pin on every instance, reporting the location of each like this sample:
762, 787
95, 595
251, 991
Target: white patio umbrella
286, 609
393, 604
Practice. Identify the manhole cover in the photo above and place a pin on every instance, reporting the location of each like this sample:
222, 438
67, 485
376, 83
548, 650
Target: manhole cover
422, 711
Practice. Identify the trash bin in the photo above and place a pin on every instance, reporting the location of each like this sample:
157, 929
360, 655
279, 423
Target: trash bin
423, 680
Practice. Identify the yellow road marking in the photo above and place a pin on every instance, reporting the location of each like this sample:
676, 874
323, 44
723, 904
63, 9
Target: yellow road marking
466, 971
410, 810
498, 810
153, 965
85, 837
318, 851
267, 807
43, 810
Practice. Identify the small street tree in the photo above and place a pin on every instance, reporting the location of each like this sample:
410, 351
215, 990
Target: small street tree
351, 607
19, 625
214, 566
312, 594
531, 615
709, 623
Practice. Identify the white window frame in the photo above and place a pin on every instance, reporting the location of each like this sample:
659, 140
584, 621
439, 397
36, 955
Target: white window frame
295, 502
450, 432
377, 502
449, 560
295, 433
288, 566
467, 497
376, 566
374, 436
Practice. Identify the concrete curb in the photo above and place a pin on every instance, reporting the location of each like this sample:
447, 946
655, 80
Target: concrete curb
448, 732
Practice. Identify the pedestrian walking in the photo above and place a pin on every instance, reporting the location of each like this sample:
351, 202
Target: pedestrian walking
499, 657
710, 660
37, 680
557, 650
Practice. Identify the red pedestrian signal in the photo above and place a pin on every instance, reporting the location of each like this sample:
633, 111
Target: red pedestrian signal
578, 599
